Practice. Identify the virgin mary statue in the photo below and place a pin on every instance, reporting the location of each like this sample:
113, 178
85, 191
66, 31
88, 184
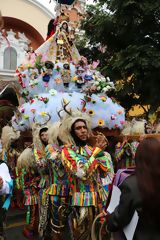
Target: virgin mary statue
60, 47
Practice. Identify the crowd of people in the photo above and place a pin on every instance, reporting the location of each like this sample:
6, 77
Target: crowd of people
65, 181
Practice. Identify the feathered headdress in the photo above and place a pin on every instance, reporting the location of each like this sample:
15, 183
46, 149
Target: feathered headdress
67, 121
8, 136
26, 160
135, 127
36, 128
53, 133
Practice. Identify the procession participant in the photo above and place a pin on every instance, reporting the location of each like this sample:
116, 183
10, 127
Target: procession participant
89, 170
11, 150
40, 141
58, 191
29, 179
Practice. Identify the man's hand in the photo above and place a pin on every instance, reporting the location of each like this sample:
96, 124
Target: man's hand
101, 141
1, 183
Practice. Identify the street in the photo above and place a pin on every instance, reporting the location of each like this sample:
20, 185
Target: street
15, 225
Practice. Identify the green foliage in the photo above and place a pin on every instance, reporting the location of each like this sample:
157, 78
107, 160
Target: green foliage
130, 30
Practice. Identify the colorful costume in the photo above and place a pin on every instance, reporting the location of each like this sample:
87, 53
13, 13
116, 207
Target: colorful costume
90, 172
58, 192
28, 180
41, 165
125, 154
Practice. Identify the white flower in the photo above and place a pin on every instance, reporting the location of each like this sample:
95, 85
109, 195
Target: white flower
108, 79
111, 84
98, 79
96, 83
98, 88
53, 92
105, 89
103, 79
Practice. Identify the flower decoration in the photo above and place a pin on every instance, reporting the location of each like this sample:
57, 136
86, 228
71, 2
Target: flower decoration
101, 122
43, 114
39, 63
31, 101
119, 112
75, 78
26, 117
99, 84
33, 82
103, 98
53, 92
91, 112
33, 110
44, 99
87, 98
25, 93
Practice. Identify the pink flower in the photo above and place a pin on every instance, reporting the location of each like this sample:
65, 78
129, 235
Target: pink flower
33, 110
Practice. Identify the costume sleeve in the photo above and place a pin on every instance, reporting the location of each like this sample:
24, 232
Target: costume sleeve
40, 158
104, 162
123, 213
4, 174
71, 160
53, 154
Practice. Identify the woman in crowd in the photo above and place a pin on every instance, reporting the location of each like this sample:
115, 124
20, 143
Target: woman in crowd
141, 192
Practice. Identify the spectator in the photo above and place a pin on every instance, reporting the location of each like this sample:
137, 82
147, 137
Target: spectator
141, 192
5, 189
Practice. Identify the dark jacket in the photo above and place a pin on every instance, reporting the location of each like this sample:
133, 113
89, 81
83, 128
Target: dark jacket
130, 201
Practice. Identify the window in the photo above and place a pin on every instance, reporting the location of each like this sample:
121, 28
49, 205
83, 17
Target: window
10, 58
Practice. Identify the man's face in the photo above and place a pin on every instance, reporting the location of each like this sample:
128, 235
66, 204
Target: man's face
44, 137
81, 130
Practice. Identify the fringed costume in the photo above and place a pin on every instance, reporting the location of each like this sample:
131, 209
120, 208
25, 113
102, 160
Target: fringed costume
41, 164
29, 180
89, 193
90, 172
58, 193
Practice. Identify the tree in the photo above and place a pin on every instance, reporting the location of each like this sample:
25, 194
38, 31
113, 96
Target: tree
130, 30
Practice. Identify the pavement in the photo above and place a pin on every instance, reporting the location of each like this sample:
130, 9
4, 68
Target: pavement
15, 224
